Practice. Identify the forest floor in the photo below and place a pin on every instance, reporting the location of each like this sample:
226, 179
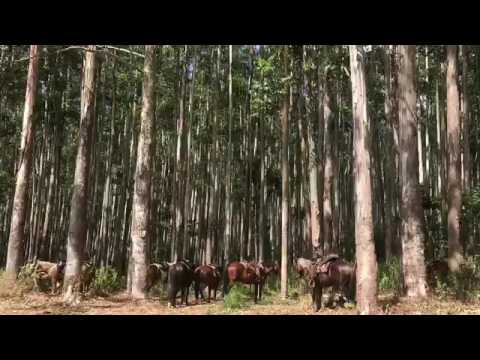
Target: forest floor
43, 304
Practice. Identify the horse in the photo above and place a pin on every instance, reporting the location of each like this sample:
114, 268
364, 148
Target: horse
209, 275
250, 273
331, 272
154, 274
180, 277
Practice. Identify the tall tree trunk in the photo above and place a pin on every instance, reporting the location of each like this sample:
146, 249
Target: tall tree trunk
467, 162
364, 242
413, 259
20, 201
329, 134
77, 231
389, 160
285, 194
143, 174
228, 215
312, 165
455, 249
179, 193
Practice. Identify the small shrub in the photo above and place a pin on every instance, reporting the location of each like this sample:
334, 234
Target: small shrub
237, 298
26, 277
268, 295
11, 287
467, 280
463, 285
390, 276
107, 281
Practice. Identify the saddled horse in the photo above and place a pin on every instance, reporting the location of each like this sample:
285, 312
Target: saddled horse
208, 275
250, 273
331, 271
180, 277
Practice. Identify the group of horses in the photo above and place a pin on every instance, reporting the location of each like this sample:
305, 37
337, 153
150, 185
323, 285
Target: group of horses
318, 274
182, 274
324, 272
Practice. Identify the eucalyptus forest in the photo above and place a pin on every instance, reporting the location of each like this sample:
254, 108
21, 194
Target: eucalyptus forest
240, 179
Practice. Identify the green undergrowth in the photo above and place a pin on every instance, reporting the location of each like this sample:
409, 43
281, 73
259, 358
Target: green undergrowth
390, 276
107, 281
237, 298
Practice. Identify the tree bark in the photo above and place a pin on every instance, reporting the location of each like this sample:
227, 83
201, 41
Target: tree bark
467, 155
228, 214
389, 161
77, 231
364, 243
455, 248
143, 175
285, 194
20, 201
413, 259
328, 167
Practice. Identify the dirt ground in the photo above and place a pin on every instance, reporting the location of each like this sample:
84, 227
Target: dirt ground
43, 304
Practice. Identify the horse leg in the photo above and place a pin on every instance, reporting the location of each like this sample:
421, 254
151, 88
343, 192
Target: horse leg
186, 295
256, 293
54, 286
319, 299
209, 293
315, 299
182, 296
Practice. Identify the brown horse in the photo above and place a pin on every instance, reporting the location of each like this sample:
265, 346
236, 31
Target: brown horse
250, 273
331, 272
154, 274
208, 275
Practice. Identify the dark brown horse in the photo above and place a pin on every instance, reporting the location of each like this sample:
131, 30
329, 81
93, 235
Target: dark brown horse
331, 272
180, 277
210, 276
250, 273
154, 274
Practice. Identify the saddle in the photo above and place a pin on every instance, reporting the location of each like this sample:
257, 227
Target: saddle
187, 263
249, 267
214, 268
324, 265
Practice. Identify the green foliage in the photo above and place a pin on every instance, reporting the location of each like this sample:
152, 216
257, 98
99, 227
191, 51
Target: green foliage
436, 228
471, 205
237, 298
390, 276
9, 287
107, 280
26, 277
466, 282
463, 285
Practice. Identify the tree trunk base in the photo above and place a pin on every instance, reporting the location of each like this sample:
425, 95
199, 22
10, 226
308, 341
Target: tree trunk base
71, 296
